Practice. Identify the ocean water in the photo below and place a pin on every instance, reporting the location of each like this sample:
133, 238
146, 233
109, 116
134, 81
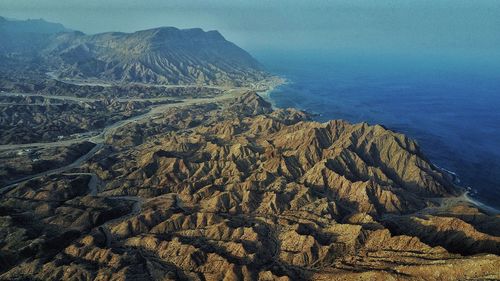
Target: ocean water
449, 105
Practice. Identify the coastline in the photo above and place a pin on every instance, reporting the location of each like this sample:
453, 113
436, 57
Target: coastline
266, 87
481, 206
446, 204
464, 196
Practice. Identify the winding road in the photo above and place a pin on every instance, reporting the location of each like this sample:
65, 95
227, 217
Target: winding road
98, 138
101, 136
109, 130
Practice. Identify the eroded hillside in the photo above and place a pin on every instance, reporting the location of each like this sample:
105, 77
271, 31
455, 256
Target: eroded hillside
237, 191
165, 55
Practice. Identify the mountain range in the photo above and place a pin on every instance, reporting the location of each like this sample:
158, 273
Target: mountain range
165, 55
235, 190
136, 181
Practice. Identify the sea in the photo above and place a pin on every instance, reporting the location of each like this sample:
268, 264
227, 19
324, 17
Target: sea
449, 104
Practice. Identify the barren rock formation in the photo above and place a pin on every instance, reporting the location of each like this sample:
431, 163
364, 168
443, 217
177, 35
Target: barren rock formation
237, 191
40, 218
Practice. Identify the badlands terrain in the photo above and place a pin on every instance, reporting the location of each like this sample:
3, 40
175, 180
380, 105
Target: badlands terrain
235, 190
107, 179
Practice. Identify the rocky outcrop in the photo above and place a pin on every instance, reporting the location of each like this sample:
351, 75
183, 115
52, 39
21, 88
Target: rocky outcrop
39, 218
453, 233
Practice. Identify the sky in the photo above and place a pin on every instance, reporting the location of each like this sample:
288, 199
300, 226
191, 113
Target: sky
446, 26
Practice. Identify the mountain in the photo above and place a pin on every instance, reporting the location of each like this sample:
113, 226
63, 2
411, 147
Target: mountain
165, 55
26, 36
239, 191
33, 26
221, 188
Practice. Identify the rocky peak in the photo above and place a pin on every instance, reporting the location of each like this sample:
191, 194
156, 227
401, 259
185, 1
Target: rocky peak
172, 35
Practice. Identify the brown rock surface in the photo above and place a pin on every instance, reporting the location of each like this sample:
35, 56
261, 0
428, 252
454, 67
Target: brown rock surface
237, 191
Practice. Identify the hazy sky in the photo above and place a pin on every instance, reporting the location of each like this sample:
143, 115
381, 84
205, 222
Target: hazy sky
423, 25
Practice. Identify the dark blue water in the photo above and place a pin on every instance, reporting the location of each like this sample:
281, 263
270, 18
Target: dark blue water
450, 105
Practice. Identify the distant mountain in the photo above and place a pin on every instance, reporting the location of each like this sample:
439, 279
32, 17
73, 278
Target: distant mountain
26, 36
165, 55
37, 26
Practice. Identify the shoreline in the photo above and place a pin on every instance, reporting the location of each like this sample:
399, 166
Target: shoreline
481, 206
464, 194
269, 85
445, 204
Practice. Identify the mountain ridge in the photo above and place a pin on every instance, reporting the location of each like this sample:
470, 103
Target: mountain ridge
163, 55
213, 183
234, 190
31, 26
